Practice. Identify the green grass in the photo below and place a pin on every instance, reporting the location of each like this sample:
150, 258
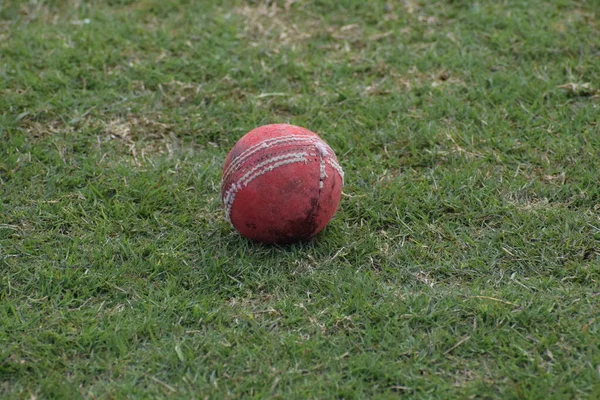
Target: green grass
464, 260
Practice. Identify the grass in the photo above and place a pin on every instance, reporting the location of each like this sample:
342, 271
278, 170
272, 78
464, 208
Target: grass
464, 260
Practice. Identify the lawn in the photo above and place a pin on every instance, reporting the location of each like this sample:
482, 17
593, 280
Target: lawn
464, 260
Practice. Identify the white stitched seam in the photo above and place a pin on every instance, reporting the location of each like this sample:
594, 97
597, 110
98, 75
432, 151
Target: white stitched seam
337, 167
269, 161
265, 144
325, 153
322, 171
237, 185
322, 147
244, 181
267, 156
238, 162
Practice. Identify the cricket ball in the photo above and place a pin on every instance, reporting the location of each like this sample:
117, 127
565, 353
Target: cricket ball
281, 184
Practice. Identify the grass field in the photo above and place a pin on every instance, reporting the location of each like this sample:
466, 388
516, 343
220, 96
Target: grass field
464, 260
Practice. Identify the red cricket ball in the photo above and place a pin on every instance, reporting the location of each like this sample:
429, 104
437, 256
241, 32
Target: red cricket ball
281, 184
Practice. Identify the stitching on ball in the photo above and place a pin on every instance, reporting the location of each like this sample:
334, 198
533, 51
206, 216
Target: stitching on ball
274, 160
273, 153
270, 160
265, 144
238, 162
322, 171
229, 197
333, 163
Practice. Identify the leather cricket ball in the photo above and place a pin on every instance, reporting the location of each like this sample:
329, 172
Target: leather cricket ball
281, 184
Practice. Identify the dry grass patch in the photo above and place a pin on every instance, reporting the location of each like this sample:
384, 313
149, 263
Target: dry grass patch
268, 21
39, 10
142, 136
37, 129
